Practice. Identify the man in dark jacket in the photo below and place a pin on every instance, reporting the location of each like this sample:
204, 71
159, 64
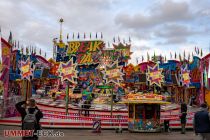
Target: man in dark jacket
202, 122
30, 109
183, 117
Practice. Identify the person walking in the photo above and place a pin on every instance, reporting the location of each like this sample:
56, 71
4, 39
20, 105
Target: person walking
183, 117
30, 117
201, 122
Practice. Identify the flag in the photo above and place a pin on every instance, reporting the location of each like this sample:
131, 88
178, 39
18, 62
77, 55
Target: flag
184, 54
124, 41
180, 57
108, 45
96, 36
148, 58
90, 35
27, 51
10, 38
114, 39
165, 58
198, 51
118, 39
137, 61
129, 39
18, 45
73, 36
175, 55
101, 35
45, 55
189, 57
170, 55
201, 52
84, 36
67, 36
78, 36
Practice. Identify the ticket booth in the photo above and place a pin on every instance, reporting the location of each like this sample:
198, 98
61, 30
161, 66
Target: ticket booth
144, 115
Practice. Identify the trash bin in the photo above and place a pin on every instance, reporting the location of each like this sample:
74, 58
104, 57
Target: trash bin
96, 125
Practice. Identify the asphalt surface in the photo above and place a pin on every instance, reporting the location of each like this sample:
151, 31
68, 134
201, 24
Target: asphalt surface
79, 134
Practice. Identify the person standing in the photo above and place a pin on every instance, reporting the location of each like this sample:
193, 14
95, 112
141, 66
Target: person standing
201, 122
183, 117
30, 117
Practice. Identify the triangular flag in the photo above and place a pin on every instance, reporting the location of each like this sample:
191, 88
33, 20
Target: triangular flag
148, 57
96, 36
84, 36
114, 39
101, 35
129, 39
78, 36
90, 35
73, 36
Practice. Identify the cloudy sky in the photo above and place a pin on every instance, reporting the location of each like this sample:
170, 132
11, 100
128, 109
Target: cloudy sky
162, 26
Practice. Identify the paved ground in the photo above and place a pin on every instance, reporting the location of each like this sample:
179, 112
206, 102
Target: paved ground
78, 134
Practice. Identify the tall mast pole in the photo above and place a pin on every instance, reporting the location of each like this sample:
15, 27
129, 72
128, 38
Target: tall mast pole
61, 21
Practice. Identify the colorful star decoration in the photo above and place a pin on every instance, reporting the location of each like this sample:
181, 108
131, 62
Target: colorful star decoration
154, 75
26, 70
68, 71
185, 77
113, 73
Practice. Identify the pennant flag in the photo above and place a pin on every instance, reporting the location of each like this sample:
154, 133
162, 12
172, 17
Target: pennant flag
27, 51
67, 36
10, 38
108, 45
35, 50
129, 39
142, 58
114, 39
101, 35
124, 41
22, 49
96, 36
78, 36
84, 36
148, 57
198, 51
165, 58
90, 35
40, 51
189, 57
118, 39
180, 57
170, 55
201, 52
175, 55
73, 36
184, 54
45, 55
137, 61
